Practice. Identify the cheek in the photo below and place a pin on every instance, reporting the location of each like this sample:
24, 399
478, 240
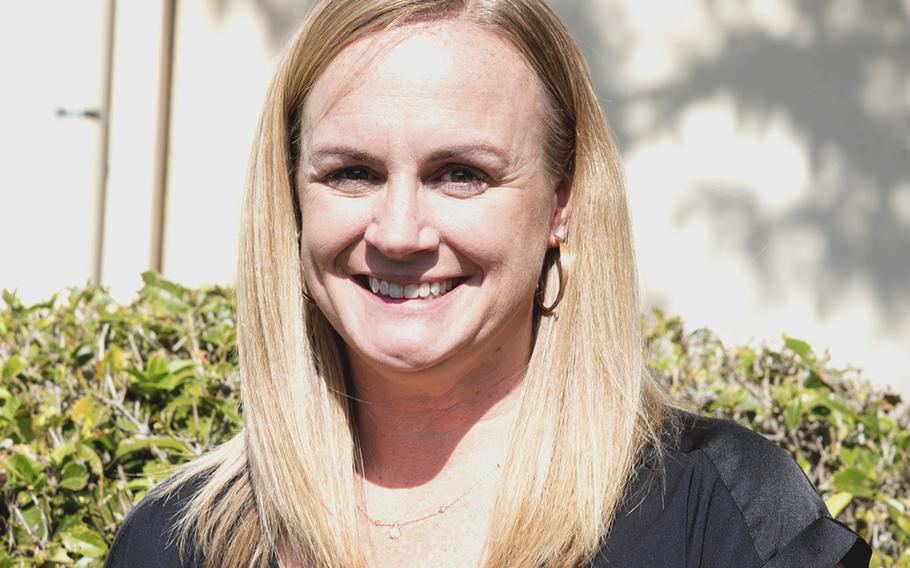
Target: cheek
508, 233
328, 226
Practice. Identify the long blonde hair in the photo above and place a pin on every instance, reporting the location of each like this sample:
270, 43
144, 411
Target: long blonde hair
288, 480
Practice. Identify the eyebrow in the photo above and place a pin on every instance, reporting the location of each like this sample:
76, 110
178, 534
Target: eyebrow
345, 152
468, 150
358, 155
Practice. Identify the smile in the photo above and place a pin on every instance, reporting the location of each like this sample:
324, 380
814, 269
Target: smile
415, 291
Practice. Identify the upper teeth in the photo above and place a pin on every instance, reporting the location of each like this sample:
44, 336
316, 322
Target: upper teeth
411, 291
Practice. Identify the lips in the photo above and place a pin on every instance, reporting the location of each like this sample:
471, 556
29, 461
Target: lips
412, 291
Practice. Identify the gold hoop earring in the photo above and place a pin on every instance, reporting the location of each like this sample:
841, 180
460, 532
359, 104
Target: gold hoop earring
563, 264
306, 297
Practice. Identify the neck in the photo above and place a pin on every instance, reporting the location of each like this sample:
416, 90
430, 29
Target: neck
412, 426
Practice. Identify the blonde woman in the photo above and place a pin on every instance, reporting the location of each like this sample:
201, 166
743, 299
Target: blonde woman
439, 330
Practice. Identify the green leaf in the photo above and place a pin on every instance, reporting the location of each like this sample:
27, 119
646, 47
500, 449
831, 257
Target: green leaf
903, 521
837, 404
801, 348
73, 477
864, 459
891, 502
131, 445
793, 413
813, 381
871, 423
746, 357
11, 300
83, 354
177, 366
155, 368
58, 555
62, 451
157, 471
852, 480
112, 362
85, 409
140, 484
84, 541
90, 456
13, 366
838, 502
32, 518
163, 375
23, 467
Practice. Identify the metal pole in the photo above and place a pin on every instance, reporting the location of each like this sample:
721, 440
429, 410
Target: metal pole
156, 261
105, 120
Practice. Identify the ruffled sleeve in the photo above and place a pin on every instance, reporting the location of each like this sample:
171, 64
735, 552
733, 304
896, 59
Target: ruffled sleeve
824, 543
787, 521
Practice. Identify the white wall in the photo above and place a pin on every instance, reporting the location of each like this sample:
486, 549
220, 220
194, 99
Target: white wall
767, 148
50, 166
225, 54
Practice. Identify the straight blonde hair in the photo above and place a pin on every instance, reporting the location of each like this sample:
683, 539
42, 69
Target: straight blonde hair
287, 481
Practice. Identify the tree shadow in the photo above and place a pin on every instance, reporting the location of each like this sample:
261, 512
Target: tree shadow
281, 17
822, 86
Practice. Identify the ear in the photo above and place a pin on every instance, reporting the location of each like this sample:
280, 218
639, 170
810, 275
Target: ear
559, 224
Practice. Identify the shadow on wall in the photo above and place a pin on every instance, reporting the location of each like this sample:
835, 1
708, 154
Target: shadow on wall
281, 17
840, 74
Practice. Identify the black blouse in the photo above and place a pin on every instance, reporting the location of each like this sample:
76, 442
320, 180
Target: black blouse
725, 498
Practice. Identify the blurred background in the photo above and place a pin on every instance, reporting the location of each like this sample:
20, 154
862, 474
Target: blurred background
766, 145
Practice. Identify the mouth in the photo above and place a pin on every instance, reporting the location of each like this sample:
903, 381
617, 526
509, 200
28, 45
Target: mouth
424, 290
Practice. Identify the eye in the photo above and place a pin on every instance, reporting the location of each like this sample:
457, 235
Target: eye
461, 180
353, 179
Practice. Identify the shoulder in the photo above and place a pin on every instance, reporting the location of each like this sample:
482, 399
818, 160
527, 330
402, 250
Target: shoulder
725, 495
786, 519
148, 538
766, 484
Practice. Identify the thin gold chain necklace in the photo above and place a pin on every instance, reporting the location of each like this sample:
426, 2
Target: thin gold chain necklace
395, 526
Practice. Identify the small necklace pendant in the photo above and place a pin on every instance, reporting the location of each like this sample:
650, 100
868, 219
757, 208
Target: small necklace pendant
395, 532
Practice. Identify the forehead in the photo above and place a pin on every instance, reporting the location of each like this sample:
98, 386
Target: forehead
426, 73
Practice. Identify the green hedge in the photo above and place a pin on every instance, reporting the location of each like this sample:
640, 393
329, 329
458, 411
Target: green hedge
97, 400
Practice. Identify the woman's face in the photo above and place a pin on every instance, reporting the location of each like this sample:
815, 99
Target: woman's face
425, 201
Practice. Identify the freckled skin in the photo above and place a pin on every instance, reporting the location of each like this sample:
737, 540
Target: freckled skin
401, 98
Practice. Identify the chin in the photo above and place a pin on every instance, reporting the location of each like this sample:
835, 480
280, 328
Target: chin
400, 355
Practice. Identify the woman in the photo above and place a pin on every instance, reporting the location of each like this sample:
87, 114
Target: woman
423, 382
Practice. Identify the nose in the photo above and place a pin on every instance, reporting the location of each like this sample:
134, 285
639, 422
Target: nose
401, 225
